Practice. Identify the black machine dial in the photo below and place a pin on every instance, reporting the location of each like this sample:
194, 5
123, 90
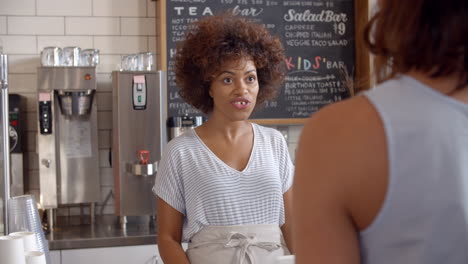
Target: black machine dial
45, 117
13, 137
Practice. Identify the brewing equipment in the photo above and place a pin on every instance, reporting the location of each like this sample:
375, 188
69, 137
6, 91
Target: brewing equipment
139, 135
178, 125
67, 138
15, 132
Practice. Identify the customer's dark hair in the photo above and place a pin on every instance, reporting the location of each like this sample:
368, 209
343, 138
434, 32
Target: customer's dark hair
214, 40
430, 36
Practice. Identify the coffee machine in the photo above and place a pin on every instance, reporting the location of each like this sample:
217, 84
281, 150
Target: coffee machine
67, 138
16, 120
138, 138
178, 125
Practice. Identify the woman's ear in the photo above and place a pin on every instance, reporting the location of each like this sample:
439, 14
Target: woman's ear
209, 92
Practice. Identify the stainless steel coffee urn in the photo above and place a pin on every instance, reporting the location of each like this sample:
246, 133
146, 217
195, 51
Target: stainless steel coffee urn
177, 125
138, 137
68, 138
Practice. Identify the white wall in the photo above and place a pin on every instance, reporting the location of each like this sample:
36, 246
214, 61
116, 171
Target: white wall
115, 27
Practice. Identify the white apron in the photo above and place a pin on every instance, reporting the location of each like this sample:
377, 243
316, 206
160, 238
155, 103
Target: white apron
244, 244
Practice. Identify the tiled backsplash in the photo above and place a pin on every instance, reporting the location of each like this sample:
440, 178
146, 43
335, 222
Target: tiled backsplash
115, 27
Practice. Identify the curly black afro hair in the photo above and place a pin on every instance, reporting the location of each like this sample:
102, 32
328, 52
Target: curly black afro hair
214, 40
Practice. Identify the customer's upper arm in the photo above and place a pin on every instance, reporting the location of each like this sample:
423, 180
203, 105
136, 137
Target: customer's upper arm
324, 231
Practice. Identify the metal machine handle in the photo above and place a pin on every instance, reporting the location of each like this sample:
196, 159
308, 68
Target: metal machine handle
139, 169
46, 162
144, 156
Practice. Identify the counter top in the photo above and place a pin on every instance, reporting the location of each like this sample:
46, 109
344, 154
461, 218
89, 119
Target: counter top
101, 234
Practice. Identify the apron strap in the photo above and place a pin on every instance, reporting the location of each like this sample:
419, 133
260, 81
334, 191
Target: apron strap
242, 241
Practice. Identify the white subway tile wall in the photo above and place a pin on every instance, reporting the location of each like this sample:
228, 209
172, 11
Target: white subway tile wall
151, 11
64, 8
104, 120
104, 139
25, 25
19, 44
104, 101
22, 82
124, 8
152, 46
108, 63
3, 25
23, 63
104, 82
138, 26
115, 27
104, 26
120, 44
18, 7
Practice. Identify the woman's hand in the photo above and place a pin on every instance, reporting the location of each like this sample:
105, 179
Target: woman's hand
286, 229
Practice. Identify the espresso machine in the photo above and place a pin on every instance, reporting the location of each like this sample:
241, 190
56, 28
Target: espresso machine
67, 138
138, 137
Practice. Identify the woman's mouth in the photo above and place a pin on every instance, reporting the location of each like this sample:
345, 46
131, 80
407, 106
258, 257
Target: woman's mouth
240, 103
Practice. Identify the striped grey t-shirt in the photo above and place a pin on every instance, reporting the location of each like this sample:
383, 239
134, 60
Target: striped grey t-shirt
195, 182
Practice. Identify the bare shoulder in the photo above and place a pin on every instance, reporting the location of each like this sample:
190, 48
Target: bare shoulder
342, 151
335, 190
343, 124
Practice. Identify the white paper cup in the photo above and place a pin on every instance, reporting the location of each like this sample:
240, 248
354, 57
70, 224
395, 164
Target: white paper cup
12, 250
290, 259
29, 240
35, 257
24, 217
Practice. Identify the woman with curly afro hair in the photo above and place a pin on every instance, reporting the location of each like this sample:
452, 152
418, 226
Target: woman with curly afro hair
224, 187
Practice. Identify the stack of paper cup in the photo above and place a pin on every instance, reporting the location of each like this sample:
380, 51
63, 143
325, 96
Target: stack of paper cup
35, 257
12, 250
24, 216
30, 253
29, 240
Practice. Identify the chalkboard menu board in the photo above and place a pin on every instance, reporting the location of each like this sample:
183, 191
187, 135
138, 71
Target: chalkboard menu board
318, 36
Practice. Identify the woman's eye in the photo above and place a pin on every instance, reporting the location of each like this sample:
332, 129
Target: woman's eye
251, 79
227, 80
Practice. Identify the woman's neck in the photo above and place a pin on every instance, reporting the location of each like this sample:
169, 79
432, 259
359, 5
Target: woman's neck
225, 128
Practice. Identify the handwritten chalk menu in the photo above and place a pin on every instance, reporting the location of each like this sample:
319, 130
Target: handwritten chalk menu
318, 37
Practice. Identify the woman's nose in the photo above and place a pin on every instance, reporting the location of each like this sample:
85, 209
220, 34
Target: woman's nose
242, 88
